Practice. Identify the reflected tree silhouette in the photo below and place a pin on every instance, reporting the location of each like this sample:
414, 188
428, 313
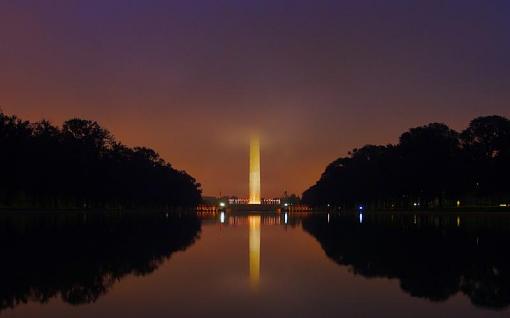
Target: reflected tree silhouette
79, 257
431, 256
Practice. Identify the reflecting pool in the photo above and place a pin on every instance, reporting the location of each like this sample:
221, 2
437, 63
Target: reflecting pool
85, 264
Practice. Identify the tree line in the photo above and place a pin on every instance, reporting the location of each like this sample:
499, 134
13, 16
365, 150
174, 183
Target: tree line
82, 165
431, 166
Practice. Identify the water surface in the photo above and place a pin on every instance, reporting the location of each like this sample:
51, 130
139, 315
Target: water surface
253, 265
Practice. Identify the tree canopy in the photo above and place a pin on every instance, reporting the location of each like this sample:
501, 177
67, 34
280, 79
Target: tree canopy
431, 166
81, 164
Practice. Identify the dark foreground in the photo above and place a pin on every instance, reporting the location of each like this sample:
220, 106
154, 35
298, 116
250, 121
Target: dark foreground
160, 265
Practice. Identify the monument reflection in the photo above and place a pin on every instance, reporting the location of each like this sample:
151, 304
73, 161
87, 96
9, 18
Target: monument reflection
272, 264
254, 222
433, 256
254, 248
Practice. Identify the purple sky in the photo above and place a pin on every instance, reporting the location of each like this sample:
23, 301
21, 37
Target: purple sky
315, 78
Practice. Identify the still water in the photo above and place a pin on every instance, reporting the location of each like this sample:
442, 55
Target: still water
254, 265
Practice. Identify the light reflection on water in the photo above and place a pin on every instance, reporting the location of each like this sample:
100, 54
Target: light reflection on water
298, 264
254, 247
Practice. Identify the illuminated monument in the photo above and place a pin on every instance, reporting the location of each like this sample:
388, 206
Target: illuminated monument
254, 170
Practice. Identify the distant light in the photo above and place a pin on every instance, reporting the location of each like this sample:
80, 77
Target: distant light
503, 205
458, 203
328, 217
328, 205
286, 218
458, 220
222, 217
222, 204
360, 208
286, 204
361, 218
415, 204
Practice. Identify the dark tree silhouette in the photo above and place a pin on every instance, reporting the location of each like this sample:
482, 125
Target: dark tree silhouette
487, 147
431, 166
82, 165
431, 256
80, 256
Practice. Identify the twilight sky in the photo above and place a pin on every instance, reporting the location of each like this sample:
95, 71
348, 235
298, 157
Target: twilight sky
316, 78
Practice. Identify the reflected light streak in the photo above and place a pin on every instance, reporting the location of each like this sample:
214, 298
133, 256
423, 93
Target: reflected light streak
254, 250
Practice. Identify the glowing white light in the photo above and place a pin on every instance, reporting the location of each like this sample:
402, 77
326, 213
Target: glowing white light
415, 204
286, 204
328, 217
286, 218
360, 207
222, 204
361, 218
222, 217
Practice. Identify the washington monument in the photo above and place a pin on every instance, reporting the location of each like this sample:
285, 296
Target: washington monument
254, 170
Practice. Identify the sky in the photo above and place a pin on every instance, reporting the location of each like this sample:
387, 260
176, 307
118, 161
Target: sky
194, 78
